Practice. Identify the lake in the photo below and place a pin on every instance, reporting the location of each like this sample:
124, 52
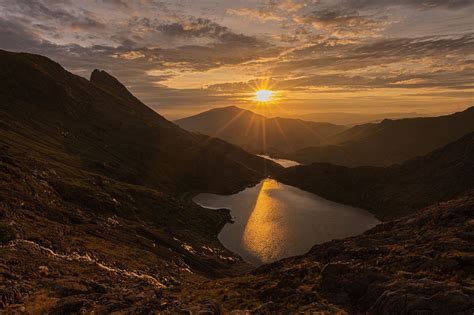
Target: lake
274, 221
282, 162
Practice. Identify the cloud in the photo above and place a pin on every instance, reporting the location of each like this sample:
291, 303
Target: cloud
290, 5
418, 47
342, 56
205, 28
343, 23
36, 9
326, 43
258, 14
423, 4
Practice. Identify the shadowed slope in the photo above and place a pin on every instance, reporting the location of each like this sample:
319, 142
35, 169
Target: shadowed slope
396, 190
91, 183
106, 129
389, 142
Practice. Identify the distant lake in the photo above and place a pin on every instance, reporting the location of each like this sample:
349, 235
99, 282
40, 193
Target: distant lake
282, 162
274, 221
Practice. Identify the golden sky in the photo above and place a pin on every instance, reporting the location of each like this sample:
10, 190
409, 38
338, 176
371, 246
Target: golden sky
181, 57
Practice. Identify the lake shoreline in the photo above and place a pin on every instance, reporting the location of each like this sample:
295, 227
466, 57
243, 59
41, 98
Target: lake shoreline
274, 220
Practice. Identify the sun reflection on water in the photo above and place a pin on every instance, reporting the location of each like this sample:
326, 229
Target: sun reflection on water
264, 231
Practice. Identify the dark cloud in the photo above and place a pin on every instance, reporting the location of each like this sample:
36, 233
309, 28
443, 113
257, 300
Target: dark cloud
425, 4
119, 3
455, 80
418, 47
51, 12
205, 28
449, 80
345, 57
344, 22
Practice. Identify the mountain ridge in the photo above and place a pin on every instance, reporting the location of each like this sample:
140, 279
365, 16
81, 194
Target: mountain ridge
257, 133
393, 191
115, 121
388, 142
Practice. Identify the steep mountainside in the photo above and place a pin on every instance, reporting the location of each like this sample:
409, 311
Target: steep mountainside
90, 194
101, 127
395, 190
259, 134
389, 142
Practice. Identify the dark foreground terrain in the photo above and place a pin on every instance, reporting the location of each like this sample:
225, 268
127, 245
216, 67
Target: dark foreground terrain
93, 218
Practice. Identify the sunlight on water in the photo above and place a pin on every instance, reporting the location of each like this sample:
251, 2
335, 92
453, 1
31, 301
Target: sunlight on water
273, 221
266, 230
282, 162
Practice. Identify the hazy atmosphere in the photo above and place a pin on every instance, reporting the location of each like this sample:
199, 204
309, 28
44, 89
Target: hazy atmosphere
183, 57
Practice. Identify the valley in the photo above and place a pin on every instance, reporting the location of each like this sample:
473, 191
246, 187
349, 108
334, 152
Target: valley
107, 207
391, 141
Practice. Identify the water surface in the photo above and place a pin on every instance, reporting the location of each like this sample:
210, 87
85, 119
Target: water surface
282, 162
274, 221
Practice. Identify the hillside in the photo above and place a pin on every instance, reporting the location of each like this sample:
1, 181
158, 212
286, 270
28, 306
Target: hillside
389, 142
393, 191
91, 186
99, 126
259, 134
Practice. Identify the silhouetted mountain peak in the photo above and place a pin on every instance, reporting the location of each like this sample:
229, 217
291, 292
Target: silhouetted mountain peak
232, 110
109, 83
274, 135
102, 77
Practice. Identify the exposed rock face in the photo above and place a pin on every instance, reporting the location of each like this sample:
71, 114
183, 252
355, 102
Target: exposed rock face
393, 191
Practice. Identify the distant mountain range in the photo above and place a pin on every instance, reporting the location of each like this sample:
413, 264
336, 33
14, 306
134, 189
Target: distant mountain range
259, 134
350, 119
393, 191
375, 144
389, 142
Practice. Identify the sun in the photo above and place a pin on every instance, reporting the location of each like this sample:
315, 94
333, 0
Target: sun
263, 95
